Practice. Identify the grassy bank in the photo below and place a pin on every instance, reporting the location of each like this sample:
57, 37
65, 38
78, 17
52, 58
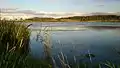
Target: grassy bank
14, 37
14, 47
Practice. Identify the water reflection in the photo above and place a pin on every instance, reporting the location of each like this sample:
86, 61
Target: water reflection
102, 41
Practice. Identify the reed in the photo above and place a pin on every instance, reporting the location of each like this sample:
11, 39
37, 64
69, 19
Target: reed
15, 60
14, 47
14, 37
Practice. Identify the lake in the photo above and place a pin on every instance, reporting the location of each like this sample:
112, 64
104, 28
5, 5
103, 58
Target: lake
79, 39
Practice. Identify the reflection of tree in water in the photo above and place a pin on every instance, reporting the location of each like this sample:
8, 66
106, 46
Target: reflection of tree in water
103, 27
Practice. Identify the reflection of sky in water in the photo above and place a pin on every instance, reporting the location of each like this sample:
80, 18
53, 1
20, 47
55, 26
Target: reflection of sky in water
77, 43
74, 24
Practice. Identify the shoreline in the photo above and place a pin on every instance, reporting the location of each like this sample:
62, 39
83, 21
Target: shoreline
65, 21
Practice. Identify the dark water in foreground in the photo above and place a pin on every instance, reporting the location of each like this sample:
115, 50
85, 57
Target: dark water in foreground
76, 39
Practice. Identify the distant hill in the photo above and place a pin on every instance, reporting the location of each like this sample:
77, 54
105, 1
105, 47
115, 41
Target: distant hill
41, 19
93, 18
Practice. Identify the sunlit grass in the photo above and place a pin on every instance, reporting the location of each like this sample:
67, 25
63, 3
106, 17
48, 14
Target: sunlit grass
14, 47
14, 36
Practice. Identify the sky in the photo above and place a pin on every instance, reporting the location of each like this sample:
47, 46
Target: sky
59, 8
63, 5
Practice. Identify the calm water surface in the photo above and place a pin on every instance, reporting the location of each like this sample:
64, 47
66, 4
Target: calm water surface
75, 39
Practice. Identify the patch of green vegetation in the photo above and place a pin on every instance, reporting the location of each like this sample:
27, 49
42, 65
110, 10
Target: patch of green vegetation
15, 60
14, 47
14, 36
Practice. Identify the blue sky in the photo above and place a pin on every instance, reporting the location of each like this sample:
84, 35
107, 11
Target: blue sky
63, 5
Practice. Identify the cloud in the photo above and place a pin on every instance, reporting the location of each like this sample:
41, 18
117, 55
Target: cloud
8, 9
10, 12
34, 13
101, 5
105, 13
106, 0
